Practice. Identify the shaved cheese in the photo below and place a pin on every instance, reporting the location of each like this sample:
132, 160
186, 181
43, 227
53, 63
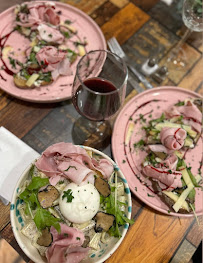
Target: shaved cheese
189, 143
34, 42
179, 154
26, 31
187, 128
186, 177
71, 28
81, 50
129, 132
182, 198
175, 197
6, 50
32, 79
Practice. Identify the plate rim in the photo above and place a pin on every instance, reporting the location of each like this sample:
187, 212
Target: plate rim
136, 97
75, 9
24, 173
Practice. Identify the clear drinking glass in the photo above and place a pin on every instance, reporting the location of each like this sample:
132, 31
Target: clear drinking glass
98, 93
193, 20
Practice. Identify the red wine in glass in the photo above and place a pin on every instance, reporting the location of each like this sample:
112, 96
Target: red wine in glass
97, 99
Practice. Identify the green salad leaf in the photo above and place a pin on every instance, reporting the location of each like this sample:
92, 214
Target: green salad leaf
114, 208
42, 217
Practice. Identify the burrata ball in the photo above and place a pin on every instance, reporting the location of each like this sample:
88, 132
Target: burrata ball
82, 205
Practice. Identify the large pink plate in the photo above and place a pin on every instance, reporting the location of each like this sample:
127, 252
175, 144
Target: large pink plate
150, 104
60, 89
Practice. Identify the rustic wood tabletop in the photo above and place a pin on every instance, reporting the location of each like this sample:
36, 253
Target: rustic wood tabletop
144, 28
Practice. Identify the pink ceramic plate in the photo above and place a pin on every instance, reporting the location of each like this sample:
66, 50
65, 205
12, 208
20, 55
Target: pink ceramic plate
60, 89
149, 104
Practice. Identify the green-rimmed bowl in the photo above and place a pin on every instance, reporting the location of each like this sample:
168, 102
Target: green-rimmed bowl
99, 256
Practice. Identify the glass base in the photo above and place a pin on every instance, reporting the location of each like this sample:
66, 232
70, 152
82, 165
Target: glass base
91, 133
177, 59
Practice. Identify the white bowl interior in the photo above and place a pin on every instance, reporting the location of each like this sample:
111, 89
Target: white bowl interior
99, 256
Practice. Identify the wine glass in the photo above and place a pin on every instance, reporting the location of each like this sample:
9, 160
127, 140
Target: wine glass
193, 20
98, 92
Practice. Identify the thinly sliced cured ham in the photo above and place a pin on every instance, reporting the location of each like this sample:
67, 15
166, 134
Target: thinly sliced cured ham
50, 34
191, 115
191, 111
159, 148
66, 246
165, 173
38, 13
171, 180
73, 162
173, 138
54, 61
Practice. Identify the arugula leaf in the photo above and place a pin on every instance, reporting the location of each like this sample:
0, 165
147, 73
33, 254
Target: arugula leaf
158, 119
12, 62
139, 144
120, 217
180, 103
68, 22
192, 177
44, 218
68, 194
37, 182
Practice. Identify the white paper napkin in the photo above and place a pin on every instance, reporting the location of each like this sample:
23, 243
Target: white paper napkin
168, 2
15, 156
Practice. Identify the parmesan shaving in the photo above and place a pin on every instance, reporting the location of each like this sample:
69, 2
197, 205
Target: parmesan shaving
81, 50
182, 198
175, 197
32, 80
129, 132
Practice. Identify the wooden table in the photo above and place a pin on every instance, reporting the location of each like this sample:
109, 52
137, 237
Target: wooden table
144, 28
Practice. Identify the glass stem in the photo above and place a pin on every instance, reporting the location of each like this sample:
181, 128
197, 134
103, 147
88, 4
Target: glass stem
176, 49
183, 39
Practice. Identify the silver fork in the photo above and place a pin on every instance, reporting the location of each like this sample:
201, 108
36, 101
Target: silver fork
116, 48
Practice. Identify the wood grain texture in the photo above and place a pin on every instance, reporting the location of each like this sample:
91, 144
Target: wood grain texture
184, 253
177, 73
104, 13
86, 6
125, 23
146, 5
119, 3
7, 234
19, 117
194, 39
169, 16
55, 127
159, 235
10, 257
198, 229
4, 215
151, 40
194, 78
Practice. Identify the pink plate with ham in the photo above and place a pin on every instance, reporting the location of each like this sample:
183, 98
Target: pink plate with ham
150, 104
60, 89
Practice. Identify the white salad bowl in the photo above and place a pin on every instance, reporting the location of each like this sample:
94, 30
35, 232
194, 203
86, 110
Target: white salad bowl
105, 251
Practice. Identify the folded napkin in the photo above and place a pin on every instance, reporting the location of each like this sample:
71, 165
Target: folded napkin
15, 156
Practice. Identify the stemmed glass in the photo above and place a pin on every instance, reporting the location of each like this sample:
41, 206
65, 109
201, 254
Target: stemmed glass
193, 20
98, 92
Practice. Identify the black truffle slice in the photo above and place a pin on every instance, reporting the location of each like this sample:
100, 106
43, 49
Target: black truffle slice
102, 186
47, 196
45, 239
103, 221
